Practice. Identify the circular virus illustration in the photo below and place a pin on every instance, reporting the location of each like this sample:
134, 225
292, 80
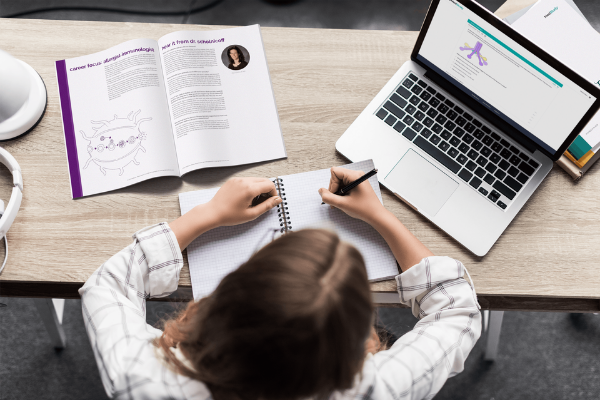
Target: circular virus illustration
119, 132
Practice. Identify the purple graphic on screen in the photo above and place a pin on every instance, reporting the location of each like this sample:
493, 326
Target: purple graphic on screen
475, 50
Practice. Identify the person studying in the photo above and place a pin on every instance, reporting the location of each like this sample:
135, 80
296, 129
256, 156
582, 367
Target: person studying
301, 208
294, 321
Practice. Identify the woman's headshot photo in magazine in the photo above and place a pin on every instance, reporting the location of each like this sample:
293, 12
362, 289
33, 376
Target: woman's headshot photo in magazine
235, 57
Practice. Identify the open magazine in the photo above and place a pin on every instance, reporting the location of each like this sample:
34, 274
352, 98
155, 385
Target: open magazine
148, 108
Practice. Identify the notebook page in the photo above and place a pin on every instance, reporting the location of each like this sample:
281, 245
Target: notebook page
306, 211
217, 252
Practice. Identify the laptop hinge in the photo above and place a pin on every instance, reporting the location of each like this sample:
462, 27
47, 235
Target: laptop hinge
475, 106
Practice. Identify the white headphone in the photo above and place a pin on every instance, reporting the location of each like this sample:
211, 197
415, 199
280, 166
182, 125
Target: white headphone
8, 215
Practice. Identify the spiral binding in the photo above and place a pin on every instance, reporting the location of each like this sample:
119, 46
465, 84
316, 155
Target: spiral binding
283, 213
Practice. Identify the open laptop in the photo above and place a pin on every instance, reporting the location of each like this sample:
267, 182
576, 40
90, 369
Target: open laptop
467, 129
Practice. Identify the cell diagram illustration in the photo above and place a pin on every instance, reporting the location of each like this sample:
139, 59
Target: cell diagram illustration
475, 50
115, 143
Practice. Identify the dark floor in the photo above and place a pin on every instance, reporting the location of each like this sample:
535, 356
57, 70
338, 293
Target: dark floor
541, 356
550, 356
343, 14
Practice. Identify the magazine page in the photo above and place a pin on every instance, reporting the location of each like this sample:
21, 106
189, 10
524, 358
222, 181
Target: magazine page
115, 118
222, 109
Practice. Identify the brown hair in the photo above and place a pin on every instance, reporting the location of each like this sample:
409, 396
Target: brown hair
240, 54
289, 323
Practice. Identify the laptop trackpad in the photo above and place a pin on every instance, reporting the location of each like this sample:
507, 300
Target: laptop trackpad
421, 183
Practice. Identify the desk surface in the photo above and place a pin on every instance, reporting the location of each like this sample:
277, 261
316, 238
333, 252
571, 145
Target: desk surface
544, 261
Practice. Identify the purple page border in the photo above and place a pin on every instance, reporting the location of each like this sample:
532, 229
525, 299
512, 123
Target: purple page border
69, 126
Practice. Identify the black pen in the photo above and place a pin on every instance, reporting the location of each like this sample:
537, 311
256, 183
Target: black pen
346, 189
259, 199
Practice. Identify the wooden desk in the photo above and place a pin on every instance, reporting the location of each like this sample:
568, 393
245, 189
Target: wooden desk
546, 259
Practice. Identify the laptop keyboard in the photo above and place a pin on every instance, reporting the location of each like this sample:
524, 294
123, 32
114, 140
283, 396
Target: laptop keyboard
492, 165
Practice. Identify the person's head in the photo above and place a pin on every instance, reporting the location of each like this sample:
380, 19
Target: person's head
290, 323
235, 54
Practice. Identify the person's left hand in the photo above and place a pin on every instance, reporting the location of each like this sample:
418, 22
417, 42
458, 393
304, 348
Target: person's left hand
232, 205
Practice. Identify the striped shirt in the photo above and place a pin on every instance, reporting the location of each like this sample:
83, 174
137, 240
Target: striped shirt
114, 298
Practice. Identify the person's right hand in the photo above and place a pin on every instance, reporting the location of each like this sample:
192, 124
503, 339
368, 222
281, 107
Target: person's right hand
361, 203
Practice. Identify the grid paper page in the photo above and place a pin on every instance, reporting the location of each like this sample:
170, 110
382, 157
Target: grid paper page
216, 253
306, 211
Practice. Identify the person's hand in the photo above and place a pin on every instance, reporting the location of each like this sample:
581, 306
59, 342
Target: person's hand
373, 343
232, 205
361, 203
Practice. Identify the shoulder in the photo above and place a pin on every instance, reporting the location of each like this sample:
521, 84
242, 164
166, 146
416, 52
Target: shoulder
372, 384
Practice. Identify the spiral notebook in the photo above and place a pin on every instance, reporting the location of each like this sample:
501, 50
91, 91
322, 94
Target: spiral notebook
218, 252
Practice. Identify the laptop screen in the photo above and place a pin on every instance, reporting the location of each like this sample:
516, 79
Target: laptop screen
503, 76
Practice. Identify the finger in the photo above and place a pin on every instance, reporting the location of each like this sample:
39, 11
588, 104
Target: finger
345, 176
258, 180
335, 182
341, 177
265, 206
263, 185
330, 198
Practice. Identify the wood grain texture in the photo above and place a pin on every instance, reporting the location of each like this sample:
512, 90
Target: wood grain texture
322, 80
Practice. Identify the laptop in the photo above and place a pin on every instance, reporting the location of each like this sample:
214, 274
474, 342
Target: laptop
466, 131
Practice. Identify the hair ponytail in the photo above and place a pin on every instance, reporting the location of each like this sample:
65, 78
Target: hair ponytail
290, 323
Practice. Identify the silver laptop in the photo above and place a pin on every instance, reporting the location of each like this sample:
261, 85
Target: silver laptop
467, 129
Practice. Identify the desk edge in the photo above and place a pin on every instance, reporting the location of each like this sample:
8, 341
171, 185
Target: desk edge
66, 290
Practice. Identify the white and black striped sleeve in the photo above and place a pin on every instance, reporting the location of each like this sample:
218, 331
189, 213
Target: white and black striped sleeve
420, 362
114, 310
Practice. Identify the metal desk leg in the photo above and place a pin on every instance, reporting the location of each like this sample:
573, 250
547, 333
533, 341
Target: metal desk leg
51, 312
493, 328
